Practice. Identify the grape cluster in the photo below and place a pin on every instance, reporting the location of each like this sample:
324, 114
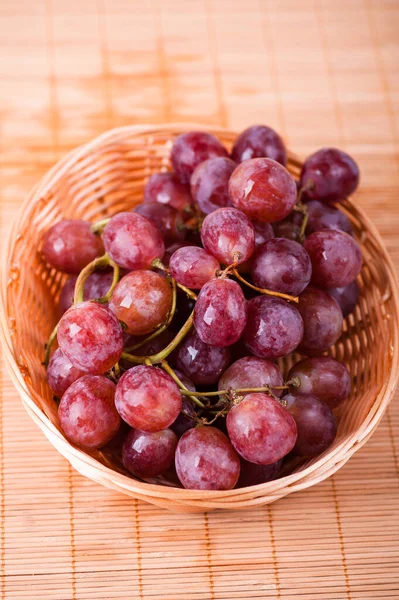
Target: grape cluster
176, 311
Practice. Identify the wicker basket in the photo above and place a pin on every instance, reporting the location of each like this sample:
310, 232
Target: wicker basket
107, 176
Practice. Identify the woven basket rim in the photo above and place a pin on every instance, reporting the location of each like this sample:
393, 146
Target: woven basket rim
287, 484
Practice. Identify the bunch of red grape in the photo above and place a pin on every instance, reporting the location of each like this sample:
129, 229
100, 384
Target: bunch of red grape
178, 309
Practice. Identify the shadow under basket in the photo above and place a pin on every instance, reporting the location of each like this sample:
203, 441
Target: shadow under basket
108, 175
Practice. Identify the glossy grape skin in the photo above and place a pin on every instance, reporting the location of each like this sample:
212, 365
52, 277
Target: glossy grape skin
263, 189
252, 372
330, 175
90, 335
132, 241
260, 429
259, 141
274, 327
147, 454
323, 377
210, 183
142, 300
61, 373
205, 460
336, 258
220, 313
203, 364
170, 250
346, 297
96, 286
252, 474
192, 148
165, 188
192, 266
316, 424
281, 265
147, 398
165, 218
87, 412
323, 216
184, 423
263, 232
322, 319
69, 245
228, 235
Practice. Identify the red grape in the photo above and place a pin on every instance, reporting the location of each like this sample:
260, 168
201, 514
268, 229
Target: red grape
147, 454
220, 313
329, 175
151, 347
274, 327
324, 216
165, 188
346, 297
263, 232
205, 460
281, 265
191, 149
90, 335
259, 141
96, 286
260, 429
69, 245
228, 235
291, 230
87, 412
132, 241
210, 183
263, 189
165, 218
142, 300
252, 372
323, 377
203, 364
61, 373
183, 423
336, 258
316, 424
170, 250
322, 319
147, 398
65, 300
252, 474
193, 266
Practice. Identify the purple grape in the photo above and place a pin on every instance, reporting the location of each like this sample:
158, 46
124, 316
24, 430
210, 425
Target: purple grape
203, 364
61, 373
259, 141
210, 183
205, 460
191, 149
147, 454
329, 175
165, 188
316, 424
281, 265
260, 429
165, 218
324, 216
274, 327
263, 232
220, 313
252, 372
193, 267
288, 229
228, 235
252, 474
96, 286
152, 346
336, 258
184, 308
322, 319
346, 297
183, 423
323, 377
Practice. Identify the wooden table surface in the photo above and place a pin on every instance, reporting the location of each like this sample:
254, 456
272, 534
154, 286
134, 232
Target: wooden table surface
322, 73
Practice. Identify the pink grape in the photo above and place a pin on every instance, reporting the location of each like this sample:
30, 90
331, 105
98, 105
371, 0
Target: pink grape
281, 265
193, 267
316, 424
274, 327
147, 454
90, 335
346, 297
263, 189
259, 141
263, 232
228, 235
322, 319
87, 412
147, 398
252, 474
220, 313
323, 216
252, 372
61, 373
329, 175
336, 258
203, 364
191, 149
205, 460
210, 183
69, 245
132, 241
170, 250
165, 188
96, 286
323, 377
260, 429
165, 218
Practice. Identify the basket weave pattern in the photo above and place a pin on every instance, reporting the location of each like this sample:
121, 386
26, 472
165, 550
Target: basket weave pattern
107, 176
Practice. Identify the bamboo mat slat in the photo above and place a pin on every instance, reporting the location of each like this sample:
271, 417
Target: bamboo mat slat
322, 73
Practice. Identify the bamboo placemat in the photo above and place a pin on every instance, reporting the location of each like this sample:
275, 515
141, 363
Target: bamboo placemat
322, 73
